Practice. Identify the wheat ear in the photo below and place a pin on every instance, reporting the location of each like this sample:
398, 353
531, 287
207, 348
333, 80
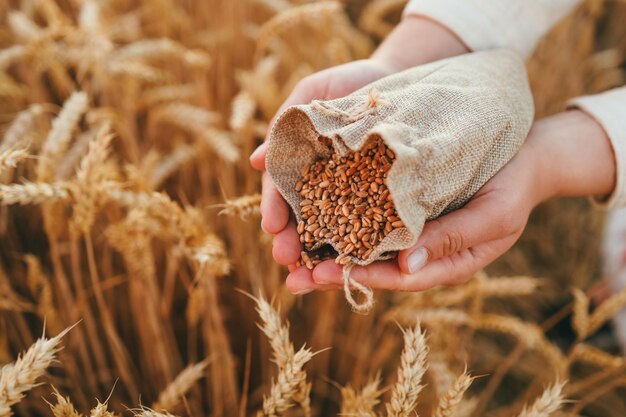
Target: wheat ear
60, 134
412, 368
361, 403
32, 193
21, 376
63, 406
449, 403
170, 397
244, 206
549, 402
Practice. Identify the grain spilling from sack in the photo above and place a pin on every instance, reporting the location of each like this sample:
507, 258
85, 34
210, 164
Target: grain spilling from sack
346, 200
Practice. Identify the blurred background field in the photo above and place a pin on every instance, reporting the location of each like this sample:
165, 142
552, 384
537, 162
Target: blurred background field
145, 237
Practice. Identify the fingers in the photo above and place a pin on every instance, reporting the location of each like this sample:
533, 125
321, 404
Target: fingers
450, 270
482, 220
286, 245
274, 209
300, 281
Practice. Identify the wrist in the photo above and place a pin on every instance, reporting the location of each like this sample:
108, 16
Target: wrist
415, 41
573, 156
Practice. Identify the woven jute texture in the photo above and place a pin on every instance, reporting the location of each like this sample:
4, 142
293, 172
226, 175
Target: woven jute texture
452, 125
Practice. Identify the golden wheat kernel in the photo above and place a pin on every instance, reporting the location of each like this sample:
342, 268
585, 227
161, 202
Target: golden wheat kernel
305, 203
324, 184
349, 248
300, 228
353, 237
345, 210
343, 220
388, 228
308, 237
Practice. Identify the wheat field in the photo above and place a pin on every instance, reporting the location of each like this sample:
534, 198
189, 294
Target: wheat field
134, 276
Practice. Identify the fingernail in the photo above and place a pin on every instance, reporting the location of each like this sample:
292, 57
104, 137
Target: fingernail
302, 292
417, 260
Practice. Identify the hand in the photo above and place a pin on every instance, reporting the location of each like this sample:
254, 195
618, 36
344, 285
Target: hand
568, 154
429, 41
325, 85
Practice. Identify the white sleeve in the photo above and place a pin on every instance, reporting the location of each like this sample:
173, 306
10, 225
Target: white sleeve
609, 109
488, 24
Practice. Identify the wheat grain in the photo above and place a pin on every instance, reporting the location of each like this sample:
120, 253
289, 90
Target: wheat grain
412, 368
171, 396
21, 376
346, 202
546, 405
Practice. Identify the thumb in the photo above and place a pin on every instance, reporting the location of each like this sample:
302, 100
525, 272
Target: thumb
478, 222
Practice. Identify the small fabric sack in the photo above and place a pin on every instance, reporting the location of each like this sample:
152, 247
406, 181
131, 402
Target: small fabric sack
452, 125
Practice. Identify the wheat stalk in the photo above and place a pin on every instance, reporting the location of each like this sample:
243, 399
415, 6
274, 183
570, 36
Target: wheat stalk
412, 368
21, 376
171, 396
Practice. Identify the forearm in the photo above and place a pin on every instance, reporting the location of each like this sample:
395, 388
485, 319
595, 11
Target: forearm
573, 156
417, 40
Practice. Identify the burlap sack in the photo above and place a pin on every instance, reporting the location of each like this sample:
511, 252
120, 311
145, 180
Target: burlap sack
452, 125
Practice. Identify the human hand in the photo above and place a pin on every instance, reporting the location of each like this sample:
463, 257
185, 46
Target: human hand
325, 85
568, 154
429, 41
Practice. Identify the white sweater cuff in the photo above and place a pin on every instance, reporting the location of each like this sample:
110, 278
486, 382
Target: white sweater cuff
609, 109
488, 24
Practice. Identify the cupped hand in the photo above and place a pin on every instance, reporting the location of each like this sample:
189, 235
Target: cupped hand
325, 85
451, 248
568, 154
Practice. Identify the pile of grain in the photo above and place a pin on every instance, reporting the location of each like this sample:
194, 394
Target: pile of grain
346, 201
